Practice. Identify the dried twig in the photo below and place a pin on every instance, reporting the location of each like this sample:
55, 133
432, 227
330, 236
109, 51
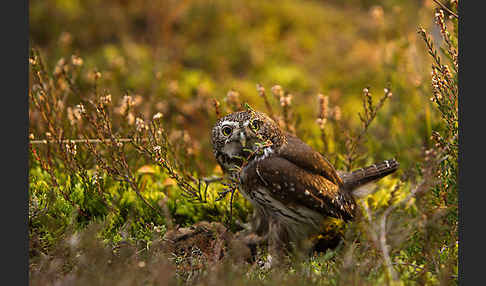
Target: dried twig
370, 112
268, 106
378, 230
445, 8
74, 141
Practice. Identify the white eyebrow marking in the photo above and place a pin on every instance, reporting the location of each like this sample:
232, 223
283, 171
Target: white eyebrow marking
227, 122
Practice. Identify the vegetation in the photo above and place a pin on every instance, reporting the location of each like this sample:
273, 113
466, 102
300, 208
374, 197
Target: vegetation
123, 185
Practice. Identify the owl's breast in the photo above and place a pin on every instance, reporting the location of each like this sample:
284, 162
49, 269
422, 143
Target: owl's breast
270, 198
251, 187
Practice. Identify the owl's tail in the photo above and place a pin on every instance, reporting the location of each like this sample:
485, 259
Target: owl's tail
368, 174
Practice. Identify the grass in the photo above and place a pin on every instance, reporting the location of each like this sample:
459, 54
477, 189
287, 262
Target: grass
138, 198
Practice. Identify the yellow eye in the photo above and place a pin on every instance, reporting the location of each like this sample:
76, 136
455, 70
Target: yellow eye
227, 130
255, 124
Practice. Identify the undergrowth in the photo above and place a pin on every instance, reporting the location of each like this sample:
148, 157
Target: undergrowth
123, 187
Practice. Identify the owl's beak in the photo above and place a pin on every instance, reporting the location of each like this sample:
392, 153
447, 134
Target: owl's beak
243, 139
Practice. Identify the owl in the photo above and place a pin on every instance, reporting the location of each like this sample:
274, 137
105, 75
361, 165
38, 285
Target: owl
291, 187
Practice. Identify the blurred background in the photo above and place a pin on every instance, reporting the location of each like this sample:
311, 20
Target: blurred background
175, 57
196, 60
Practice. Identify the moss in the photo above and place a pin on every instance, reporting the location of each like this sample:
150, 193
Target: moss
177, 58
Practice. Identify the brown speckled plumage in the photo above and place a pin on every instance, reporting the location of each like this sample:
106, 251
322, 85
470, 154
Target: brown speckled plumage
291, 186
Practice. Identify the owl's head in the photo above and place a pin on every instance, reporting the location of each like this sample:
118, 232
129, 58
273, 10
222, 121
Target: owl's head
241, 134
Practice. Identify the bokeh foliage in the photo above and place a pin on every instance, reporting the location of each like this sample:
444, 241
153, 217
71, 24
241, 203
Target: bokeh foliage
177, 57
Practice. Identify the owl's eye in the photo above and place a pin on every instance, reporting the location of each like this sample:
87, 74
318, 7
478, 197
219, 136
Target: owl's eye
255, 124
227, 130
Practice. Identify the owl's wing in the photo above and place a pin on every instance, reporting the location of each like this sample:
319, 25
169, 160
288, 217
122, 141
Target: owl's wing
292, 185
302, 155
